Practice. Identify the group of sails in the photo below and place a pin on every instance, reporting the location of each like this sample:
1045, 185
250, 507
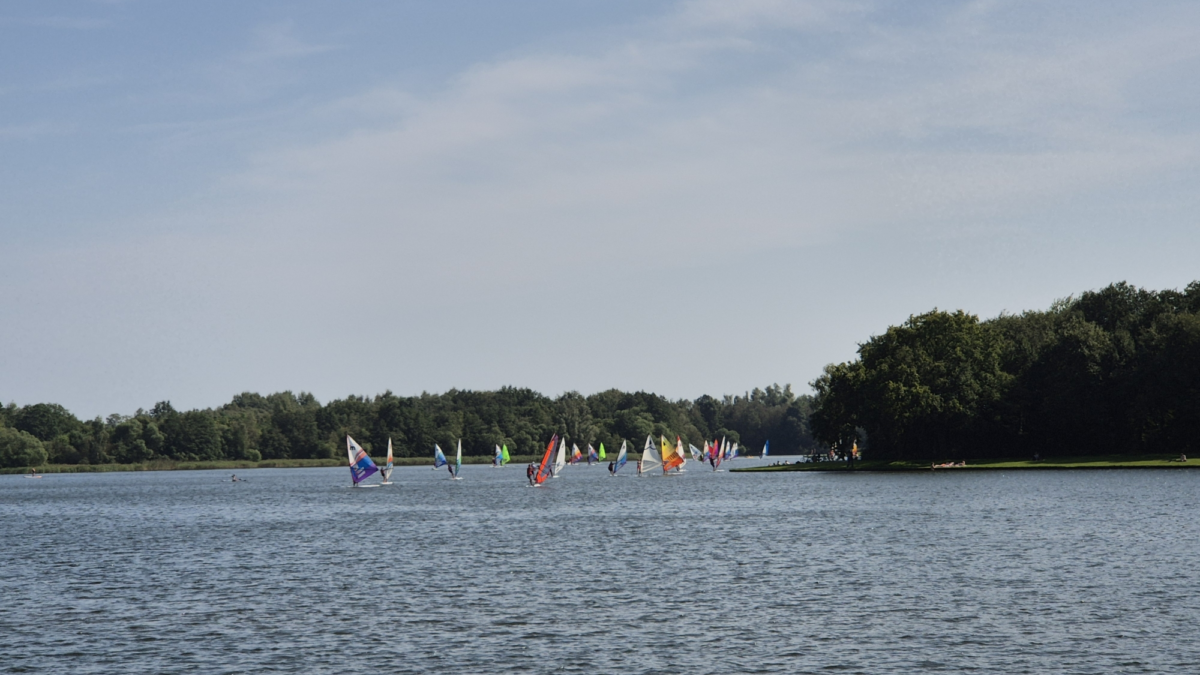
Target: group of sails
666, 456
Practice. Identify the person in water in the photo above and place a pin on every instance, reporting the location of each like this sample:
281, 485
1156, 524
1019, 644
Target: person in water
529, 471
233, 478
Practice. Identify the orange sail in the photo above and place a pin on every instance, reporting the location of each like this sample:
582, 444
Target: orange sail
545, 469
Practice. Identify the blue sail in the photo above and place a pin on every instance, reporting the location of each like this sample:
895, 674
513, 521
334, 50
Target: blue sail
361, 465
439, 459
620, 459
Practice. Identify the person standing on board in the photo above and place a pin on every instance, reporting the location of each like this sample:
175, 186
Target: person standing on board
529, 472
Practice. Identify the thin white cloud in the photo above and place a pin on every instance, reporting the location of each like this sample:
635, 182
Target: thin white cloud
279, 41
620, 145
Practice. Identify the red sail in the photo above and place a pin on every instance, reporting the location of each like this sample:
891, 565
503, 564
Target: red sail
544, 469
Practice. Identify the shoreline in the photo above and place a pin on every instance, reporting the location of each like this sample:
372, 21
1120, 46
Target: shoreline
1087, 463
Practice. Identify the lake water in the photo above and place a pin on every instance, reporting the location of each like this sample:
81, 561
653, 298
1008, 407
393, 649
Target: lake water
293, 572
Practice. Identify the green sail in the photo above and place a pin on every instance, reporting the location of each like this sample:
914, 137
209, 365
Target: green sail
504, 454
602, 455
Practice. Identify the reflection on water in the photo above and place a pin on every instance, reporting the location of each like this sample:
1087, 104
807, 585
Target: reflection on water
292, 571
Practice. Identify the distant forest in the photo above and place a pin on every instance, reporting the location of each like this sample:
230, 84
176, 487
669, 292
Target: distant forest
1114, 371
289, 426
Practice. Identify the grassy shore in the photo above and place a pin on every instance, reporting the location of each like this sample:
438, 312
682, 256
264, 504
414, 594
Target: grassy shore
1049, 464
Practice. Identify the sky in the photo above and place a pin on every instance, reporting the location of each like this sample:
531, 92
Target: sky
686, 197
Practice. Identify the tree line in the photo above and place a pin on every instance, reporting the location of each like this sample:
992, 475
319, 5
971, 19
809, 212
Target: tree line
1114, 371
297, 426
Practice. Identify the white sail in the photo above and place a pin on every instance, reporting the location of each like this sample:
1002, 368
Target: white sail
679, 451
458, 459
561, 459
387, 470
650, 458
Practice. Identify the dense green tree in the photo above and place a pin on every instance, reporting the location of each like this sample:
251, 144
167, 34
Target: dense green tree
1111, 371
45, 421
191, 436
20, 449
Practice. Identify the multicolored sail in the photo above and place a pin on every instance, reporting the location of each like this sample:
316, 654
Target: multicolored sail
439, 458
457, 461
670, 459
695, 453
546, 468
387, 470
766, 448
498, 459
576, 455
361, 465
592, 456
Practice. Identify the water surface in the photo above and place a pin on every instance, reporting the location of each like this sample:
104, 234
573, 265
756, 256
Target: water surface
293, 572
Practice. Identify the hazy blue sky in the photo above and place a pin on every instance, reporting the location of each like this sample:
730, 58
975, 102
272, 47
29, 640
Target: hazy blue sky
198, 199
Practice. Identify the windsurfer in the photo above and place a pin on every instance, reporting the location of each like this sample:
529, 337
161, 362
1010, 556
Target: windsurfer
530, 471
610, 467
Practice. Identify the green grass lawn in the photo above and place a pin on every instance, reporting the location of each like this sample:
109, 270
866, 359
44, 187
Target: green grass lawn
1093, 462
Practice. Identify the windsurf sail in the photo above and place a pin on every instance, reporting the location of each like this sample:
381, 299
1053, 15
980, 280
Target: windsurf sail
546, 468
854, 450
592, 456
670, 459
766, 448
504, 458
457, 461
387, 470
602, 455
361, 465
679, 451
620, 458
576, 455
560, 460
650, 458
439, 458
498, 458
